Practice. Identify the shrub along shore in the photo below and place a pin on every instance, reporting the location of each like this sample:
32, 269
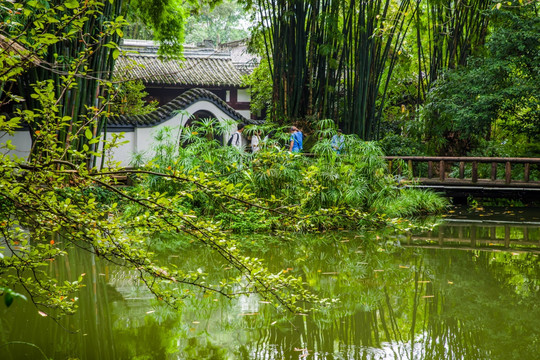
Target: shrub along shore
274, 189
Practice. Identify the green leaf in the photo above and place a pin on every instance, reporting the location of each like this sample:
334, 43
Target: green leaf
71, 4
88, 134
9, 145
8, 299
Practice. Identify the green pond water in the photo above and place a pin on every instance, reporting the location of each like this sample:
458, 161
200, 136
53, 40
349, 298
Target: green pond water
468, 289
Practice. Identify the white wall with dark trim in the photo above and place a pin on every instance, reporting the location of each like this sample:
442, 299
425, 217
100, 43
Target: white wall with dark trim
135, 140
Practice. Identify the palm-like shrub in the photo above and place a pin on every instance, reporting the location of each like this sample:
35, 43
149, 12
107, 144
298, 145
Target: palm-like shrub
356, 179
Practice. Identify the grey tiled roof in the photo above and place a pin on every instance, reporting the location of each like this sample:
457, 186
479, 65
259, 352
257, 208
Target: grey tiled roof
195, 70
169, 110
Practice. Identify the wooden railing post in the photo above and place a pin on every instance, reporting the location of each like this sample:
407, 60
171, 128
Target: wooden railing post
441, 170
527, 168
493, 171
409, 163
474, 171
430, 169
461, 169
507, 172
390, 166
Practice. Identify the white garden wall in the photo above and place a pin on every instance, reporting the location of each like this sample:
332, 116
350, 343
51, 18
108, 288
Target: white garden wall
135, 139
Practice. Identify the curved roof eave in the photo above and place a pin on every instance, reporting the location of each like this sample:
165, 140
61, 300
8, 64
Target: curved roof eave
171, 109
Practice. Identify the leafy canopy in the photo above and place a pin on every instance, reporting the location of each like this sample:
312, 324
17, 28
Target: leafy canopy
53, 201
499, 89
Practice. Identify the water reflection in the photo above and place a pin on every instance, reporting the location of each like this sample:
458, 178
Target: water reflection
395, 302
414, 304
481, 234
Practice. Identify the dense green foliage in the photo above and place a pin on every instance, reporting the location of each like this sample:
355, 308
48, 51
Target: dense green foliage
56, 199
494, 94
129, 99
323, 191
442, 76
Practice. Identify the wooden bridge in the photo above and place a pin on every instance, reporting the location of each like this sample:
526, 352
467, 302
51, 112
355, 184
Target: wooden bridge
481, 235
461, 177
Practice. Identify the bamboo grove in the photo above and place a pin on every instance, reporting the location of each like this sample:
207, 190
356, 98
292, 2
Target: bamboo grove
332, 59
67, 49
455, 30
335, 58
79, 96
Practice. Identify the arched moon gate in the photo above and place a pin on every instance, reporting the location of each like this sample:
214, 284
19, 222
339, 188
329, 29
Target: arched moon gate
139, 129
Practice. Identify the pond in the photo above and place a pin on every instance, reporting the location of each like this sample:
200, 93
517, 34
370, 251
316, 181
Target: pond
468, 289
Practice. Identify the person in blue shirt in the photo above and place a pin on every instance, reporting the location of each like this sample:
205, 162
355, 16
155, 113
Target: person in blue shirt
338, 141
297, 139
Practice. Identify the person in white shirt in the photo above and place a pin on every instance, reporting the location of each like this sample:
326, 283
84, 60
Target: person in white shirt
236, 138
255, 140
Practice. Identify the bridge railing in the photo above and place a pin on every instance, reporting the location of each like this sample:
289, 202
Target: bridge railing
440, 169
478, 235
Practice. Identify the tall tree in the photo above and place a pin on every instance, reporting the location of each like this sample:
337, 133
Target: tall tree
447, 33
224, 22
332, 58
500, 87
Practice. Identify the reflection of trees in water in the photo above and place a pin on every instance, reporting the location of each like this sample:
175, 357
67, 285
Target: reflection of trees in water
73, 335
486, 301
388, 331
395, 304
105, 325
445, 305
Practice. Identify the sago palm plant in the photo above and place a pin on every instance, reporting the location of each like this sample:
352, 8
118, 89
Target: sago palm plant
356, 178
